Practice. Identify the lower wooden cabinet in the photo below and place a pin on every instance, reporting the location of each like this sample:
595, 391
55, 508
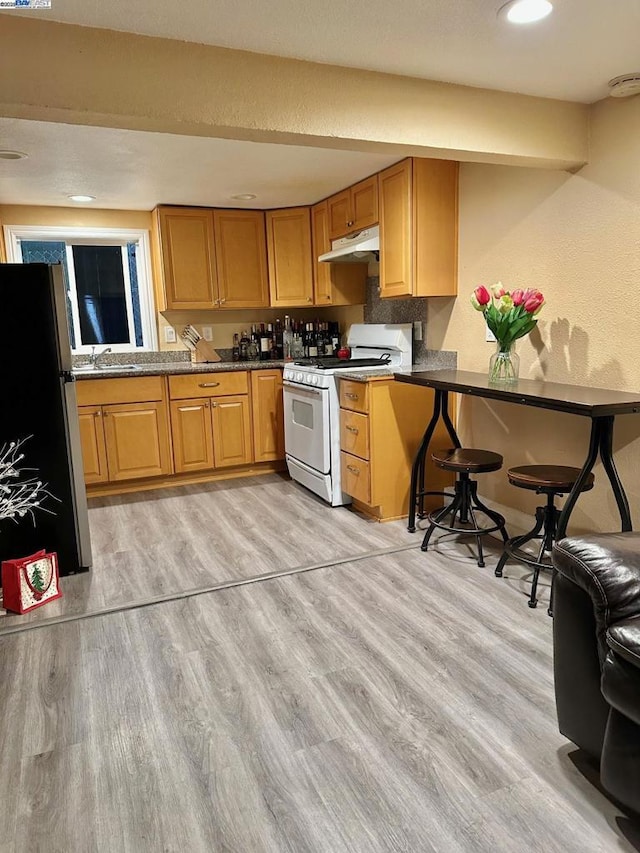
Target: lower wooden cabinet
124, 429
231, 421
192, 435
268, 415
381, 426
94, 450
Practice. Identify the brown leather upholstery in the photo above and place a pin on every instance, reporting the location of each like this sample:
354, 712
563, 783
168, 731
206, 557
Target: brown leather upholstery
547, 478
465, 459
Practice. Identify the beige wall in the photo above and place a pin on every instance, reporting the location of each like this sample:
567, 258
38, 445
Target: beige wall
577, 238
81, 75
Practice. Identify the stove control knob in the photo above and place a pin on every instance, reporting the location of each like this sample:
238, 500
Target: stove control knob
308, 379
298, 377
314, 379
286, 374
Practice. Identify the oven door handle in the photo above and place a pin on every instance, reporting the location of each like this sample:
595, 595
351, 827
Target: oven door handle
302, 389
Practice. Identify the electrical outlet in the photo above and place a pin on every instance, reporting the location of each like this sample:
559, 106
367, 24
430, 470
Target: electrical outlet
417, 330
169, 335
488, 335
207, 333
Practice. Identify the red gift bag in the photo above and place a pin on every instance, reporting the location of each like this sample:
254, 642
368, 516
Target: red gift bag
30, 582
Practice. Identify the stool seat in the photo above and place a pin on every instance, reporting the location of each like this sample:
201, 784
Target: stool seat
468, 460
545, 479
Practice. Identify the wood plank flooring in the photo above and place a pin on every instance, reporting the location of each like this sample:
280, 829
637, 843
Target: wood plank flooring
401, 702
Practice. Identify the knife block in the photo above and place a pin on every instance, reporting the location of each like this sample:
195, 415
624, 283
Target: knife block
202, 351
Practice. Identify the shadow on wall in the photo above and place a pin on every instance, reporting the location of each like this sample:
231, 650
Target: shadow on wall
567, 349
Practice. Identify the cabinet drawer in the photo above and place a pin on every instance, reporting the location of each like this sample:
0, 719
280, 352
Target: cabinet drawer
354, 396
208, 385
354, 433
356, 477
98, 392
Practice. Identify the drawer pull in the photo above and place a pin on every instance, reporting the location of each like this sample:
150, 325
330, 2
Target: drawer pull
352, 396
353, 429
353, 469
208, 384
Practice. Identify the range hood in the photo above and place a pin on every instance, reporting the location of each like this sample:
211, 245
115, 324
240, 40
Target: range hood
357, 248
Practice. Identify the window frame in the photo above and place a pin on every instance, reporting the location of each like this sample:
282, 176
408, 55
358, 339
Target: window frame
96, 237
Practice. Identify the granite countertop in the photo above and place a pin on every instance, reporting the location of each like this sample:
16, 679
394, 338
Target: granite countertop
436, 360
172, 368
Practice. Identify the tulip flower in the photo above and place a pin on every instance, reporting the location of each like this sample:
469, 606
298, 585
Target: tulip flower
518, 297
534, 302
497, 290
505, 303
482, 296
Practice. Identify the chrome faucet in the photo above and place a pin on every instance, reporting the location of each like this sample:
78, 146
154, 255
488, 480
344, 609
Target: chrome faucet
93, 358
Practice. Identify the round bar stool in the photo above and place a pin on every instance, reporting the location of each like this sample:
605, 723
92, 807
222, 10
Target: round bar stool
552, 481
464, 461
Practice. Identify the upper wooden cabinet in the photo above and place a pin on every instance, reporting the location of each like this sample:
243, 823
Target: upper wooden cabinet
241, 259
419, 228
333, 284
289, 254
210, 259
186, 266
354, 208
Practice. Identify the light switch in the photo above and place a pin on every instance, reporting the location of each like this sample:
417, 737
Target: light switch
169, 335
488, 335
207, 333
417, 330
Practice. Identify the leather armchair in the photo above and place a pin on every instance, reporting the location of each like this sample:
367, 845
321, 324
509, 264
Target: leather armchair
596, 630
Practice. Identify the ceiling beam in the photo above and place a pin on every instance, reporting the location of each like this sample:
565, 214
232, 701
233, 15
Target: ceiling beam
80, 75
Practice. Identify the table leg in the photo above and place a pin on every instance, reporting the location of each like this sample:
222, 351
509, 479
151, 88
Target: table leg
594, 446
418, 463
606, 444
453, 435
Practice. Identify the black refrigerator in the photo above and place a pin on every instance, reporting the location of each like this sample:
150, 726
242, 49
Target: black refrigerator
38, 398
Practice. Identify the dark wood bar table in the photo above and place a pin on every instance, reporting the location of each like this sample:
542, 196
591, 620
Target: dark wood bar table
598, 404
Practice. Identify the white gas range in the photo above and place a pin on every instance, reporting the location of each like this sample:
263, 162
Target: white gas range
312, 408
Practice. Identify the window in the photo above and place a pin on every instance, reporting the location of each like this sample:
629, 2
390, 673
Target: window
108, 282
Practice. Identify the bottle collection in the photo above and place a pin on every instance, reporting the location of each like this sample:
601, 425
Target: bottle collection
291, 340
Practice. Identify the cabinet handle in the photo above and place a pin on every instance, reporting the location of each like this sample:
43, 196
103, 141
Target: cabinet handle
353, 469
221, 301
98, 414
309, 299
213, 405
206, 405
208, 384
350, 222
216, 302
353, 429
351, 396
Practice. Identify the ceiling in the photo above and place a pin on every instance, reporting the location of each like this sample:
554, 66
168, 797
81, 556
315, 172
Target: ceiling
570, 55
136, 170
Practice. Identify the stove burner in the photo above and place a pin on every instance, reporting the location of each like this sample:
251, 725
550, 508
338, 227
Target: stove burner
332, 363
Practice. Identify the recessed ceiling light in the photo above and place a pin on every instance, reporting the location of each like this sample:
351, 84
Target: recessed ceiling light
525, 11
81, 198
244, 196
12, 155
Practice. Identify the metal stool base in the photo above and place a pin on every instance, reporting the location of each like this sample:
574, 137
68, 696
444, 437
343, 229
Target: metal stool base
465, 501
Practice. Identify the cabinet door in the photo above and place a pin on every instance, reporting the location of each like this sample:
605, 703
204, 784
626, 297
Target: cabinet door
364, 203
268, 423
188, 265
231, 419
289, 254
321, 243
241, 258
396, 232
94, 453
435, 211
339, 210
192, 436
137, 438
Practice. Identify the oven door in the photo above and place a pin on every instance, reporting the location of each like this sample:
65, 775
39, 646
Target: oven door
306, 425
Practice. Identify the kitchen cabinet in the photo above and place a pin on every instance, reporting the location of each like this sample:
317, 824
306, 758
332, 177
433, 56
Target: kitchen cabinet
333, 284
419, 228
210, 420
289, 257
124, 429
185, 269
241, 259
210, 259
381, 427
268, 423
92, 441
354, 208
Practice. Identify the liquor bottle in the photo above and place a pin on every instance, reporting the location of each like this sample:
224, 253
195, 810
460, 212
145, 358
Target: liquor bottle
265, 343
312, 342
273, 353
279, 336
235, 352
244, 346
287, 340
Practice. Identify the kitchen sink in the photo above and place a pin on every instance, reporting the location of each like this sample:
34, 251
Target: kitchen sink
91, 368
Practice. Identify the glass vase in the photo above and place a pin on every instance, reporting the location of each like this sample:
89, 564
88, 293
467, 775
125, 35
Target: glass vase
504, 365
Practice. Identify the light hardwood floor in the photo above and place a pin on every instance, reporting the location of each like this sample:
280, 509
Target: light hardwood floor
401, 702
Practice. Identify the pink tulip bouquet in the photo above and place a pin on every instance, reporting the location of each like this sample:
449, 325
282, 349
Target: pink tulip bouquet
509, 315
